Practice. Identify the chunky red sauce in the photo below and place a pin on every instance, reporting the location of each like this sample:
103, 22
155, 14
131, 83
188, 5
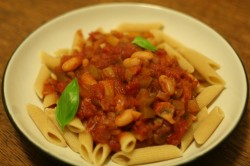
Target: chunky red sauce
118, 88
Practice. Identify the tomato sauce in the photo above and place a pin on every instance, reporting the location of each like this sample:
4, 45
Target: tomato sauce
117, 88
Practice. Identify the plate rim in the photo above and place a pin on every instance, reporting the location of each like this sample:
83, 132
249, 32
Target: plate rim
120, 4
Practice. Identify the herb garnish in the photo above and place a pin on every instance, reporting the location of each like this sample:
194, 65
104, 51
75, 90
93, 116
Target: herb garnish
68, 104
144, 43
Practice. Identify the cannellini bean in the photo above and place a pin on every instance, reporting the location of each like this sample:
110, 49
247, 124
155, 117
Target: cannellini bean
126, 117
71, 64
111, 39
143, 55
88, 79
130, 62
85, 62
167, 84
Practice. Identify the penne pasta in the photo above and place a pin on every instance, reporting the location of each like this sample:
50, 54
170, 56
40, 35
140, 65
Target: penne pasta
127, 142
203, 65
208, 125
42, 76
208, 94
147, 155
47, 128
70, 137
76, 126
200, 117
50, 61
100, 154
189, 135
50, 112
50, 99
158, 36
187, 139
86, 145
184, 64
63, 51
78, 41
139, 27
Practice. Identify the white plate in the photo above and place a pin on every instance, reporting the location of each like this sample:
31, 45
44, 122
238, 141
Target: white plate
23, 67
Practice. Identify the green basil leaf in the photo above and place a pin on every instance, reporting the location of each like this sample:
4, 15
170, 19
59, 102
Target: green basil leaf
68, 103
144, 43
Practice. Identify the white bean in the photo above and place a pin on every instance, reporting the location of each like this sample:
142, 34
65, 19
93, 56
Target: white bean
130, 62
71, 64
143, 55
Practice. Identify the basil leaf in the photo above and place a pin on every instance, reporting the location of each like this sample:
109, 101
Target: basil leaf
144, 43
68, 103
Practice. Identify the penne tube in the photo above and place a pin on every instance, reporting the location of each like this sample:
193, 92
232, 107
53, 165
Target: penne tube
70, 137
147, 155
208, 94
189, 135
63, 51
50, 112
75, 125
184, 64
208, 125
50, 61
158, 36
139, 27
202, 114
49, 100
201, 85
86, 145
163, 37
47, 128
187, 139
78, 41
43, 75
127, 141
203, 65
100, 154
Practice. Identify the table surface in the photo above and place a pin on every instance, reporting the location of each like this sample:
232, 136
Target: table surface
229, 18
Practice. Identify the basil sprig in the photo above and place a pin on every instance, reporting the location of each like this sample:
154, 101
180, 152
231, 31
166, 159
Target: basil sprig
68, 104
144, 43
